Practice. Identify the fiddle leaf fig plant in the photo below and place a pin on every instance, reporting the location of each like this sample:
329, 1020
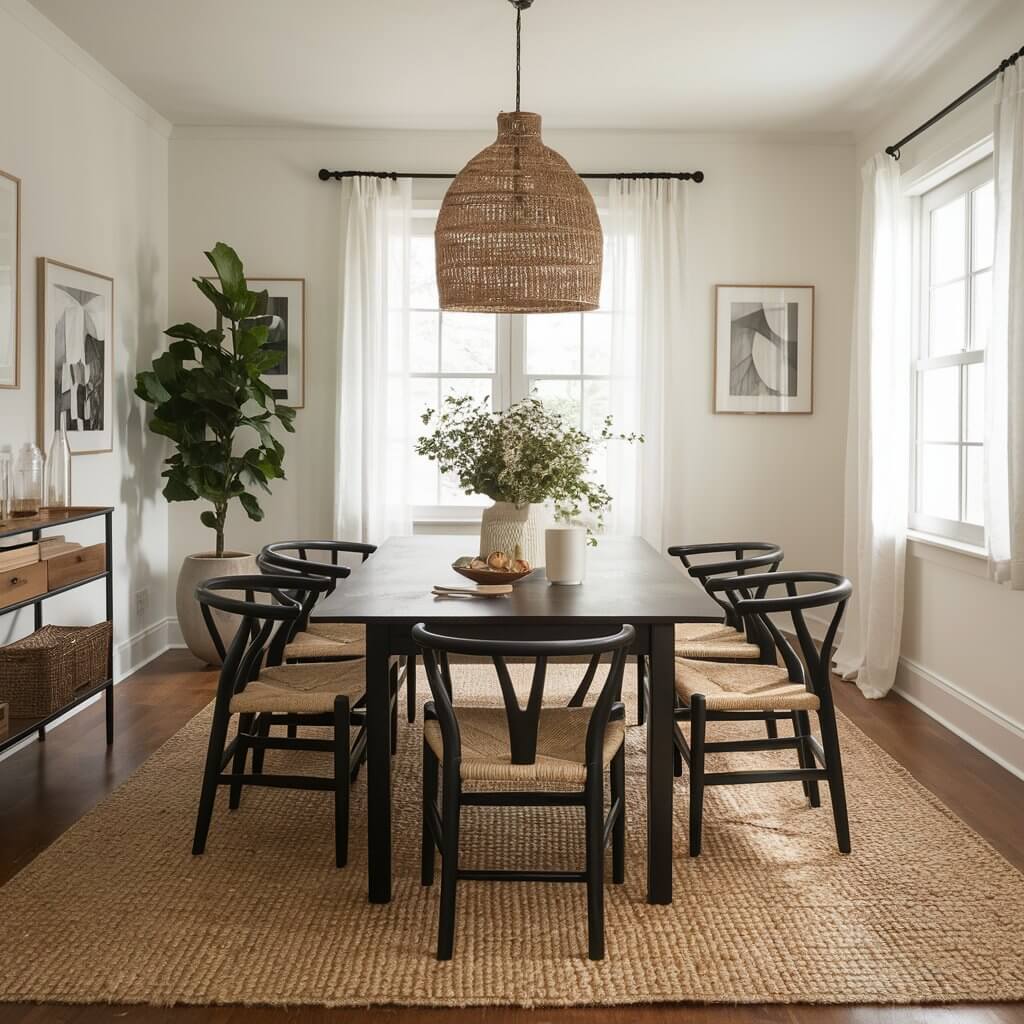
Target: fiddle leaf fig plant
209, 398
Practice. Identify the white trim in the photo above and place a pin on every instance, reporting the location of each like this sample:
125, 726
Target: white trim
988, 730
48, 33
953, 554
945, 164
129, 656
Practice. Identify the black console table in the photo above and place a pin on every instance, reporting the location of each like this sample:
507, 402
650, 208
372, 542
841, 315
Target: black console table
35, 525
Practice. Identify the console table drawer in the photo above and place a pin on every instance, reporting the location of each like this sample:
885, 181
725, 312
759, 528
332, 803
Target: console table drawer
75, 565
22, 584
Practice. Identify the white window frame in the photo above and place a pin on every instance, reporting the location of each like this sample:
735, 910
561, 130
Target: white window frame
962, 183
512, 383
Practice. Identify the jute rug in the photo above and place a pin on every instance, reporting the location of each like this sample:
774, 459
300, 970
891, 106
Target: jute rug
119, 911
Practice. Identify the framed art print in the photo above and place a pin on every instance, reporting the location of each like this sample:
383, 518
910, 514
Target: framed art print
285, 321
764, 342
10, 280
76, 357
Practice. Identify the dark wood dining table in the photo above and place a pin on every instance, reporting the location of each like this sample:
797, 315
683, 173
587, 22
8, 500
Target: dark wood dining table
627, 581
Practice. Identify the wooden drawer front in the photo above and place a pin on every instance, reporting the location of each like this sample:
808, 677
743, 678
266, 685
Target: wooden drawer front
75, 565
21, 584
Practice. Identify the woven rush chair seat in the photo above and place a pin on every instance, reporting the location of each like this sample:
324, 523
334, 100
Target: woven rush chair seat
723, 650
698, 632
301, 689
561, 745
742, 687
328, 640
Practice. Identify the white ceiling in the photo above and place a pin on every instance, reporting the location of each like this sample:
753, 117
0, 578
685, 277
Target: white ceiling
682, 65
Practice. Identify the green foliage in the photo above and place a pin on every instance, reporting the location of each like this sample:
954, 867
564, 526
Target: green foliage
526, 454
208, 396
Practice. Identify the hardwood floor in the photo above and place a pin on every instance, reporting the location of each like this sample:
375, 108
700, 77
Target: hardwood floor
46, 787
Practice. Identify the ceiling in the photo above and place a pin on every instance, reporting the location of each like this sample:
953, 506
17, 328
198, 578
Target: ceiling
693, 65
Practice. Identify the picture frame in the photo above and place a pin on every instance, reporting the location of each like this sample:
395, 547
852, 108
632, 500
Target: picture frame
286, 320
10, 281
764, 349
76, 356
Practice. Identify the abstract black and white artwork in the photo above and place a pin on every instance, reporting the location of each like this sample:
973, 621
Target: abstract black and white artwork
285, 321
763, 348
76, 356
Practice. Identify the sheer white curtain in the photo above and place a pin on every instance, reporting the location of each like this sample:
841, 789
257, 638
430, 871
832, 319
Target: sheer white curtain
643, 287
877, 444
1004, 359
374, 440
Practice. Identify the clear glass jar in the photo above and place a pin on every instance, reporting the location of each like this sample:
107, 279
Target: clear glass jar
5, 486
58, 471
28, 482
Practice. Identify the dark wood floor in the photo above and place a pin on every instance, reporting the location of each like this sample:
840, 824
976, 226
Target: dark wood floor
45, 788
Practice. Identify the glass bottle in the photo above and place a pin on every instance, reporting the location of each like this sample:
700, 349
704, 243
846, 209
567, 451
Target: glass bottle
58, 470
5, 486
28, 482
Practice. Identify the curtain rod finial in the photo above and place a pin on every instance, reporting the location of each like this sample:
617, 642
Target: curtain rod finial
893, 151
324, 174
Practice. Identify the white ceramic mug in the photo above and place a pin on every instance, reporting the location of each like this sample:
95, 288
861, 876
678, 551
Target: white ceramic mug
565, 552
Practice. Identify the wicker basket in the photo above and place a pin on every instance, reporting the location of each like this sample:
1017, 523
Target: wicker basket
40, 674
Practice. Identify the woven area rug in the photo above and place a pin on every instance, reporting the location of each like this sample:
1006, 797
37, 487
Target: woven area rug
119, 911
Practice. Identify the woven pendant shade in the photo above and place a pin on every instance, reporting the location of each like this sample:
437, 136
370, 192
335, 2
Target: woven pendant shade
518, 230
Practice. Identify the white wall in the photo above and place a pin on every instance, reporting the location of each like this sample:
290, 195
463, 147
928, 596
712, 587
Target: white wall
92, 159
773, 212
960, 633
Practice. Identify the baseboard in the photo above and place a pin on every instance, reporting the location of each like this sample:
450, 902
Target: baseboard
140, 649
129, 656
976, 722
174, 638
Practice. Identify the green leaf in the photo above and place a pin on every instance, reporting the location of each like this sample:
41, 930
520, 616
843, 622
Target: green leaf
177, 490
207, 518
251, 506
165, 428
229, 269
149, 388
251, 338
189, 332
220, 302
182, 350
166, 367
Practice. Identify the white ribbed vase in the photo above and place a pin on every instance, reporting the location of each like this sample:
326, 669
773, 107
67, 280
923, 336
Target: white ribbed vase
505, 525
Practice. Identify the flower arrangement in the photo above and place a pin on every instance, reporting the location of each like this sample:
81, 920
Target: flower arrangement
526, 454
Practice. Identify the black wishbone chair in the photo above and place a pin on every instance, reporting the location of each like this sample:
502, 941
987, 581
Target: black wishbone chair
567, 746
727, 640
308, 694
319, 641
709, 691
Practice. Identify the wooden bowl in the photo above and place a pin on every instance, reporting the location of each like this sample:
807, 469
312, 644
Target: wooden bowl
491, 575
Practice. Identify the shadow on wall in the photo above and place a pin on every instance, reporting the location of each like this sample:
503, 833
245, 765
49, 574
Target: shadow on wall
142, 452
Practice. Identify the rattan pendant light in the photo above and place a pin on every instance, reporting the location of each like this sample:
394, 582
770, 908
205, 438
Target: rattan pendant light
518, 230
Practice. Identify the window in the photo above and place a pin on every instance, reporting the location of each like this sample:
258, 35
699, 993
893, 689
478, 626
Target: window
957, 228
562, 358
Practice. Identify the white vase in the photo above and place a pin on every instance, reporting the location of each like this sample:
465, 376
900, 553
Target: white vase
198, 569
565, 555
505, 525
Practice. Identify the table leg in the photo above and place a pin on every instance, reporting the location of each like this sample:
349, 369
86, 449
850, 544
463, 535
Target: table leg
659, 765
378, 764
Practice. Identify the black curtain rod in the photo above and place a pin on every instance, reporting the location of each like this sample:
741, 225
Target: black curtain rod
894, 149
697, 176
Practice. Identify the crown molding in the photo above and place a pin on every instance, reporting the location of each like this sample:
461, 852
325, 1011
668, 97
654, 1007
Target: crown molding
48, 33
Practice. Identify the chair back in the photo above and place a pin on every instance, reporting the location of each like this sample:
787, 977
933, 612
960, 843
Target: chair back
742, 556
523, 721
293, 557
264, 626
752, 598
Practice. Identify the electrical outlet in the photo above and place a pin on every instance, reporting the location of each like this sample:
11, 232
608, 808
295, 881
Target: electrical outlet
141, 605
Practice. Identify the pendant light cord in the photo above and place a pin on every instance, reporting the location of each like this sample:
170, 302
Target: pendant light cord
519, 50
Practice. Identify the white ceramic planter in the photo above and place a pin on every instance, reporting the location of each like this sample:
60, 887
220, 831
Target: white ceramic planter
505, 525
198, 569
565, 561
